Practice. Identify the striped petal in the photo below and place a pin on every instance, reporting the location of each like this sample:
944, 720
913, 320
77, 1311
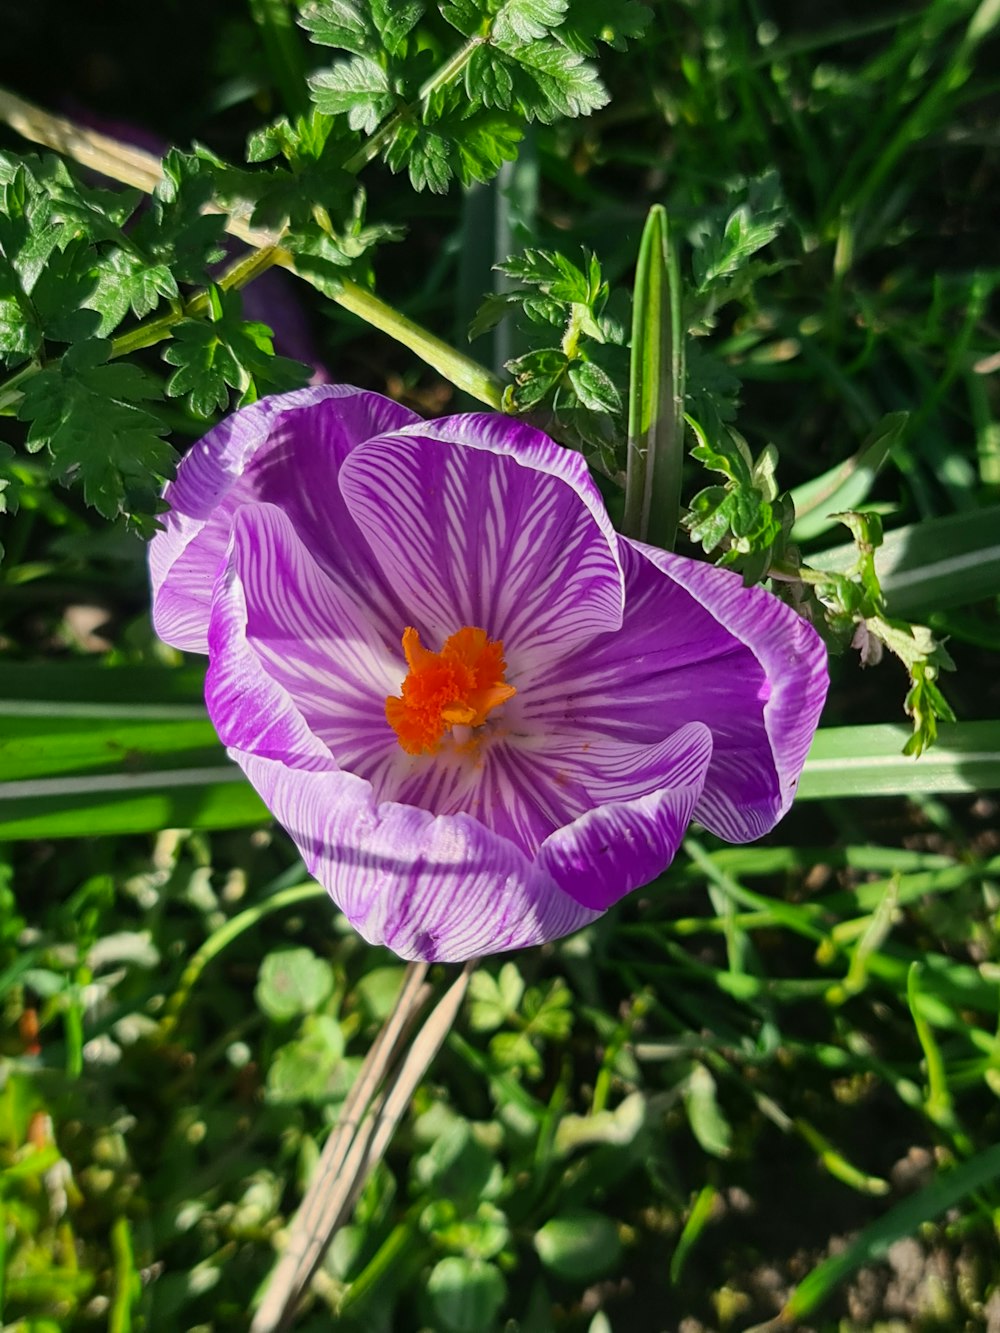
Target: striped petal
621, 845
441, 888
696, 645
287, 450
310, 638
480, 520
426, 886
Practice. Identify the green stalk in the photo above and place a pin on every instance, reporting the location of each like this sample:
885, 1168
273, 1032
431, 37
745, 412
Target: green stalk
656, 391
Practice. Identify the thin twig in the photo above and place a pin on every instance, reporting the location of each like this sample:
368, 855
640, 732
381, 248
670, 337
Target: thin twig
343, 1171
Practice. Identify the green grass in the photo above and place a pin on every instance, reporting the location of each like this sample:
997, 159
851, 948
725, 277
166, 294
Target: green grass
764, 1089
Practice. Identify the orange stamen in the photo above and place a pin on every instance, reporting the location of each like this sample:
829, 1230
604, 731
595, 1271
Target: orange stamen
457, 687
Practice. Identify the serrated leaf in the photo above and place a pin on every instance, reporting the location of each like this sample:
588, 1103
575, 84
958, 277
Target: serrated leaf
340, 23
175, 231
125, 281
488, 78
551, 81
553, 274
395, 20
591, 21
425, 155
88, 414
226, 352
535, 374
519, 21
594, 387
360, 87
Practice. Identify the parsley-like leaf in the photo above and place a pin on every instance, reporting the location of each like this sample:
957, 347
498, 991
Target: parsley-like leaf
90, 415
226, 352
591, 21
340, 23
360, 87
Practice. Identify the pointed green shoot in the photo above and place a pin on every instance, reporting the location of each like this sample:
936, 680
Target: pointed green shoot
656, 391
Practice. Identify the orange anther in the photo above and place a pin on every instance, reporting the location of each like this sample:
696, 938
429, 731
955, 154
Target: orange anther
459, 686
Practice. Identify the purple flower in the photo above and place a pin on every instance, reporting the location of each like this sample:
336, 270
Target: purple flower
481, 714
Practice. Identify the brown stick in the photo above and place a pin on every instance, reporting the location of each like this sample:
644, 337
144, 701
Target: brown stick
358, 1142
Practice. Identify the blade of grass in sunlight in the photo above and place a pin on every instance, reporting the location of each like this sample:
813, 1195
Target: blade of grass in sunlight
873, 1242
656, 390
866, 761
847, 485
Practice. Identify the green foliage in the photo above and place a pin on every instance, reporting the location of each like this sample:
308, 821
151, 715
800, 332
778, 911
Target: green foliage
574, 372
91, 416
855, 608
598, 1138
747, 515
227, 352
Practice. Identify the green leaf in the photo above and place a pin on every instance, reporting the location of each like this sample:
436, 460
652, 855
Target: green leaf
226, 352
176, 231
753, 223
395, 20
655, 459
588, 22
312, 1068
867, 761
933, 565
292, 982
494, 1000
340, 23
465, 1294
89, 414
708, 1123
126, 281
746, 516
818, 501
535, 375
519, 21
579, 1246
551, 81
594, 387
360, 87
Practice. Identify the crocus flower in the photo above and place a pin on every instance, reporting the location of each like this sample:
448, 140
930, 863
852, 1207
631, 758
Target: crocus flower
482, 715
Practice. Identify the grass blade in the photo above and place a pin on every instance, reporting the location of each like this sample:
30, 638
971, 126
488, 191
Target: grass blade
866, 761
945, 1192
656, 391
846, 485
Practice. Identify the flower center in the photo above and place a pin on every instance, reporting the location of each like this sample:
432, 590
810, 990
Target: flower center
457, 687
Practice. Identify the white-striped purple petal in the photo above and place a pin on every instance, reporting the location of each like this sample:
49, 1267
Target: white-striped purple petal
696, 645
620, 845
482, 521
311, 638
433, 887
287, 450
441, 888
308, 532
